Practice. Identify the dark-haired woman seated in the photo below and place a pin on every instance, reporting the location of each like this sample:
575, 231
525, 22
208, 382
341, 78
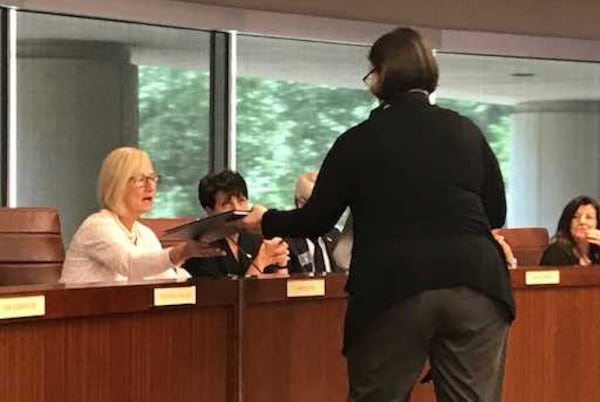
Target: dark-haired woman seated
577, 238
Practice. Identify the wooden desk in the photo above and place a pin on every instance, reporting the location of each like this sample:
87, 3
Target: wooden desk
292, 346
108, 343
554, 345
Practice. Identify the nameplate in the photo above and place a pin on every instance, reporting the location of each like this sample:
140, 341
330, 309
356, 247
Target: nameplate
24, 306
174, 296
542, 277
305, 287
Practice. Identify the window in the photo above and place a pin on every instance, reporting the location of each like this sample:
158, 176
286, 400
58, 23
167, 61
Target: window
542, 119
87, 86
294, 98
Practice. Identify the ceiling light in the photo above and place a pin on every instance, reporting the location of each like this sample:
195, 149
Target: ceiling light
522, 75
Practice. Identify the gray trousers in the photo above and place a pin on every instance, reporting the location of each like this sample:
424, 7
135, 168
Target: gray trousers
462, 332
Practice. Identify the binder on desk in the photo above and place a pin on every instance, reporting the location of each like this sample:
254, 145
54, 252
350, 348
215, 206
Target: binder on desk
208, 229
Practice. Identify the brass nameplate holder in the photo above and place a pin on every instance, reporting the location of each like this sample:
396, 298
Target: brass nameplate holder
305, 287
22, 306
542, 277
174, 296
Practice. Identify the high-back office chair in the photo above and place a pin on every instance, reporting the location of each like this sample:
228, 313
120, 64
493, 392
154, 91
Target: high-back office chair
31, 247
528, 244
159, 225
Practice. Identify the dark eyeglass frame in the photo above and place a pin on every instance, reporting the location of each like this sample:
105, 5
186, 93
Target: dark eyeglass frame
367, 75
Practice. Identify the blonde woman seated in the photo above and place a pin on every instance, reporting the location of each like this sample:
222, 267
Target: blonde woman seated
577, 238
111, 244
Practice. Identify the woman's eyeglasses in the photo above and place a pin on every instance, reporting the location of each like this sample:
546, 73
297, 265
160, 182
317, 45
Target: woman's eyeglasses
368, 75
143, 180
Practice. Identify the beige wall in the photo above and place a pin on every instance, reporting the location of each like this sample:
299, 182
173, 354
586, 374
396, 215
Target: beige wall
561, 18
557, 18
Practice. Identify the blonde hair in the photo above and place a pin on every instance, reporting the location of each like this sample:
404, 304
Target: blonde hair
304, 185
117, 169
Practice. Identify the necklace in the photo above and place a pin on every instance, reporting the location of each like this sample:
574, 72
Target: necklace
131, 234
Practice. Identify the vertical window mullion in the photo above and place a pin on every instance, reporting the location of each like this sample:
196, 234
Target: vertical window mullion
4, 102
232, 142
219, 119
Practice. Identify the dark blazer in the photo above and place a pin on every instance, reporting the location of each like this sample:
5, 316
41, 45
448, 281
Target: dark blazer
424, 188
227, 265
559, 253
298, 246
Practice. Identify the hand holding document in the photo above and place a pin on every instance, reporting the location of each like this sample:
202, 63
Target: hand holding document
207, 229
253, 221
193, 248
199, 248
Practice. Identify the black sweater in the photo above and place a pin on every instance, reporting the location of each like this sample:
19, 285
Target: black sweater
222, 266
424, 188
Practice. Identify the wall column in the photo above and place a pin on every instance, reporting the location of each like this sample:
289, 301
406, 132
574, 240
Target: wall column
77, 100
555, 157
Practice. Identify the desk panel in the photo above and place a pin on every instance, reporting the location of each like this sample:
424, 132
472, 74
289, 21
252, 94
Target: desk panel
110, 344
553, 349
292, 347
247, 341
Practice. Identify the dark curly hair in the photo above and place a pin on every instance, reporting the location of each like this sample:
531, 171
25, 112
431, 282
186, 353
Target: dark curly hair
229, 182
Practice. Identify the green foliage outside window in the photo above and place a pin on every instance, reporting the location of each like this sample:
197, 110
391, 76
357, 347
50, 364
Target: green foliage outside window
283, 129
173, 128
286, 128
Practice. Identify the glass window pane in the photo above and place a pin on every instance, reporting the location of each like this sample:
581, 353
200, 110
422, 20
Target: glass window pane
542, 119
294, 98
87, 86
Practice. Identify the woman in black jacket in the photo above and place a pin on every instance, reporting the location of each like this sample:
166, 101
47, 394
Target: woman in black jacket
577, 238
427, 280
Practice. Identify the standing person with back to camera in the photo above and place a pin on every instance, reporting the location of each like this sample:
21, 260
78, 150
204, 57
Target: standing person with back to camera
427, 279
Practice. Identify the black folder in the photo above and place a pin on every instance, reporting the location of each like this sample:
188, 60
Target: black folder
208, 229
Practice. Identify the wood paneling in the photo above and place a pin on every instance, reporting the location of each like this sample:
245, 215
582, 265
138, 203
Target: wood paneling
292, 347
553, 350
177, 355
528, 244
107, 343
110, 344
31, 248
554, 353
